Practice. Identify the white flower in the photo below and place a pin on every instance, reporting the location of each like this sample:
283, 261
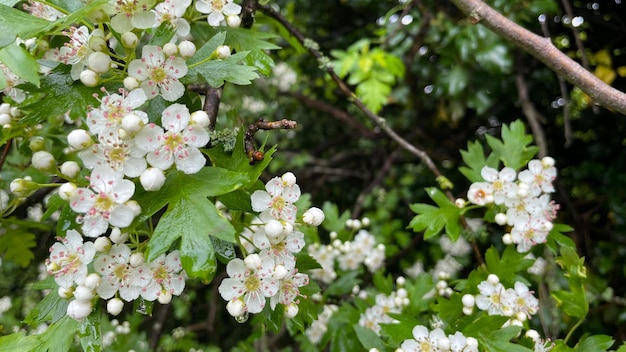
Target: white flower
167, 276
251, 286
522, 300
425, 341
103, 203
178, 144
276, 201
44, 11
113, 107
172, 11
158, 74
502, 182
539, 176
69, 259
217, 9
289, 289
11, 80
530, 232
130, 14
480, 193
118, 275
121, 155
281, 249
491, 298
79, 310
77, 50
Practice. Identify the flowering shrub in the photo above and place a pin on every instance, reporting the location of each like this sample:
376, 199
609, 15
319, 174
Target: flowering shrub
109, 124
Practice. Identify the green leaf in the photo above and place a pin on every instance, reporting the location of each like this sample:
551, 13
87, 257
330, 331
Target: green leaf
495, 58
18, 342
216, 72
225, 251
332, 220
500, 340
16, 246
59, 336
305, 262
343, 285
208, 48
384, 284
507, 267
374, 93
90, 333
456, 80
15, 23
474, 158
433, 219
484, 323
368, 338
514, 150
573, 302
594, 343
163, 34
556, 236
21, 63
62, 95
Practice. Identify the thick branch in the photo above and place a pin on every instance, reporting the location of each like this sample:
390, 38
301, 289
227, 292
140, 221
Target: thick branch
544, 51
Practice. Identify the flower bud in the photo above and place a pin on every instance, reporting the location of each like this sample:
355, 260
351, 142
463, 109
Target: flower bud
235, 307
5, 119
79, 139
253, 261
117, 236
5, 108
165, 297
468, 300
365, 221
130, 40
44, 161
136, 259
115, 306
460, 203
501, 219
233, 21
200, 118
37, 143
493, 279
280, 272
89, 78
507, 239
65, 292
152, 179
170, 49
471, 343
547, 162
4, 200
291, 311
66, 190
99, 62
22, 187
84, 294
130, 83
273, 229
289, 179
400, 282
186, 49
97, 41
92, 280
222, 52
102, 244
79, 310
314, 216
70, 169
532, 334
468, 310
136, 208
132, 123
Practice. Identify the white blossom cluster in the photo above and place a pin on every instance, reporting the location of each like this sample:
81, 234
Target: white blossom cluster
524, 199
518, 302
436, 340
271, 273
319, 327
348, 255
118, 274
377, 314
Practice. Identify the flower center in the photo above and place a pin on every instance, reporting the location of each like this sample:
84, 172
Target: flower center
252, 283
158, 75
160, 274
103, 203
217, 5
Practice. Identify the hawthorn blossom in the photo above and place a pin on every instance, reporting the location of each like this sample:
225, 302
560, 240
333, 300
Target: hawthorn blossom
103, 203
289, 288
530, 231
282, 250
502, 182
77, 50
521, 300
69, 259
423, 340
113, 107
480, 193
539, 176
172, 12
217, 10
277, 200
157, 74
491, 297
248, 283
11, 81
166, 277
129, 14
121, 155
42, 10
178, 143
118, 275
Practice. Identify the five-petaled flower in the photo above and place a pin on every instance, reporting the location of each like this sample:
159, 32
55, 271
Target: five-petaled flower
69, 259
157, 74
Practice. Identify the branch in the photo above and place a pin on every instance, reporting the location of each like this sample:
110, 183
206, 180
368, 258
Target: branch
256, 155
532, 115
544, 51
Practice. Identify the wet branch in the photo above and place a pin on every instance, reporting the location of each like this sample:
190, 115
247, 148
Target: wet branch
254, 154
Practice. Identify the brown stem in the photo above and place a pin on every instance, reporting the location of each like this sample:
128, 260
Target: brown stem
254, 154
546, 52
212, 99
5, 152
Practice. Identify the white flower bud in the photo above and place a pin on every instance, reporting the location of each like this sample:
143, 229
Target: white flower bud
280, 272
4, 200
493, 279
507, 239
233, 21
291, 311
84, 294
223, 52
117, 236
132, 123
441, 285
501, 219
16, 112
314, 216
37, 143
289, 179
471, 343
460, 203
79, 310
186, 49
402, 293
44, 161
102, 244
287, 228
136, 259
89, 78
97, 42
200, 118
253, 261
235, 307
23, 187
5, 108
130, 83
99, 62
273, 229
134, 206
468, 310
70, 169
547, 162
92, 280
400, 281
152, 179
65, 292
115, 306
532, 334
5, 119
365, 221
165, 297
79, 139
521, 316
130, 40
170, 49
66, 190
468, 300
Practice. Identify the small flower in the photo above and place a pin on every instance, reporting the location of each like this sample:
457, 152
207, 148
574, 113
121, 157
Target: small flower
277, 200
178, 144
491, 298
121, 155
217, 9
113, 108
77, 50
166, 277
118, 275
11, 80
253, 286
103, 203
158, 74
480, 193
522, 300
172, 11
289, 289
69, 259
130, 14
502, 182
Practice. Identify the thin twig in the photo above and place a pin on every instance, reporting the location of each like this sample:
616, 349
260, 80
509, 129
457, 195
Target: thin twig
254, 154
546, 52
5, 152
